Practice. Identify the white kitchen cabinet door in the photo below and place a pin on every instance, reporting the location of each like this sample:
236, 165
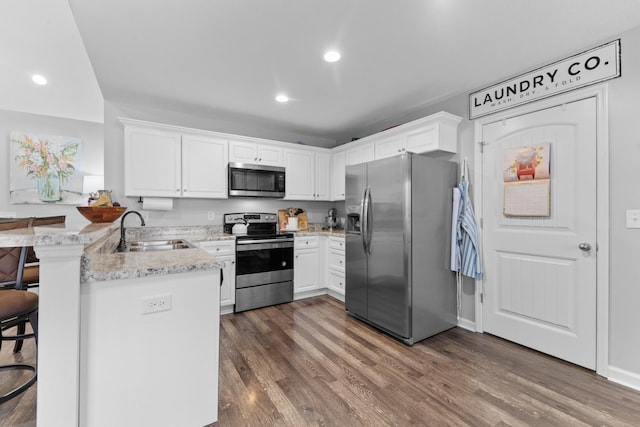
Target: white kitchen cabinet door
256, 153
361, 153
388, 147
305, 270
323, 176
300, 175
228, 286
338, 166
204, 167
152, 162
335, 282
225, 253
422, 140
336, 265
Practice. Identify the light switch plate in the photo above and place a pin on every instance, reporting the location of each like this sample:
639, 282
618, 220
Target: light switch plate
633, 218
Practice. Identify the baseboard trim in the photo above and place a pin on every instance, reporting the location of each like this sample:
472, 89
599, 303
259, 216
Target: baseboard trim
625, 378
467, 324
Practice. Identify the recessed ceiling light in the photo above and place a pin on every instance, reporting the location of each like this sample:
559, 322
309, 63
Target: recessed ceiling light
332, 56
282, 98
38, 79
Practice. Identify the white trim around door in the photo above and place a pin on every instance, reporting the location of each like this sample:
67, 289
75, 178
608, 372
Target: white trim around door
600, 92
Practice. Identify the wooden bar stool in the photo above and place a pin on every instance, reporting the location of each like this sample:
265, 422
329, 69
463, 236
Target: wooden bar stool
17, 306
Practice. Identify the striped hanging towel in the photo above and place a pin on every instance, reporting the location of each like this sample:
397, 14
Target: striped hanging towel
467, 236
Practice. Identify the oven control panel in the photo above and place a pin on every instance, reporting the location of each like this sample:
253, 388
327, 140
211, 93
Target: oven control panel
235, 218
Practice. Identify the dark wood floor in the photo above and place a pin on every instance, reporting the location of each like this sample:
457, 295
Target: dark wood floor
308, 363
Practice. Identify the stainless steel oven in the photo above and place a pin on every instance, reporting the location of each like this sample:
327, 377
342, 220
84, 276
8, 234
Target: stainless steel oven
264, 261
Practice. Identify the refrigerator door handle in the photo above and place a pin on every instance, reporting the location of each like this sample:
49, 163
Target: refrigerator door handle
369, 220
365, 216
363, 219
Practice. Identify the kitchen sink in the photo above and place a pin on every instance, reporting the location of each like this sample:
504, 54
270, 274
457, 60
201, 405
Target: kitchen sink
157, 245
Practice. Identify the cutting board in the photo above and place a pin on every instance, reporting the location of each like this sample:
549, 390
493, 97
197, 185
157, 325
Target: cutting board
282, 217
303, 224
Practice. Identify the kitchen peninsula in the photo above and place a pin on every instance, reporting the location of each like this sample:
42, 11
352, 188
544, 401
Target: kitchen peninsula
104, 343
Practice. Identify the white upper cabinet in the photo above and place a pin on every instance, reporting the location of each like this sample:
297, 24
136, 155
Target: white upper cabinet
152, 162
360, 152
204, 167
160, 161
256, 153
337, 175
323, 176
437, 132
308, 174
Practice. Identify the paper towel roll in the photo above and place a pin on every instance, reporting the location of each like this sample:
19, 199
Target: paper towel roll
157, 204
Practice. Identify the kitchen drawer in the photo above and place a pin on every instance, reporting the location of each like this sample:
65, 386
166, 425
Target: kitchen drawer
303, 242
219, 247
336, 281
336, 243
336, 260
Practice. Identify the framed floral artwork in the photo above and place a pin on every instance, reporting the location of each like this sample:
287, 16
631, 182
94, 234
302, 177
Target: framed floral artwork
45, 169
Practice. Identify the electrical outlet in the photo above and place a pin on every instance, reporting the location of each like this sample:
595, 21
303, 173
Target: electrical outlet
211, 216
156, 303
633, 219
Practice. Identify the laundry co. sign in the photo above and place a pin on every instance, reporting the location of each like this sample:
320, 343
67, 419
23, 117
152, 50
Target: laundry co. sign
586, 68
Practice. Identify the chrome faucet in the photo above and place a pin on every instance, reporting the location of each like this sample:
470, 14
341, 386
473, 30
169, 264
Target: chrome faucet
122, 246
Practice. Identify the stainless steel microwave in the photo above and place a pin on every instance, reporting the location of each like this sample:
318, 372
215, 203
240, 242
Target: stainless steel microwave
247, 180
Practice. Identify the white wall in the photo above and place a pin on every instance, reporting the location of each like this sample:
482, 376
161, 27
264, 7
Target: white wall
624, 153
92, 136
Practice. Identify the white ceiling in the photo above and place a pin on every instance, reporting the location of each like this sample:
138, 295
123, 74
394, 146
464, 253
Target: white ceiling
40, 37
233, 56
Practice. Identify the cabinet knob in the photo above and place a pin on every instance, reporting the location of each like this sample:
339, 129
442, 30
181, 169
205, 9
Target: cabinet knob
178, 190
260, 159
185, 190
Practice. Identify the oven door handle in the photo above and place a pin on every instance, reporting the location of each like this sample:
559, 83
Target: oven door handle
252, 241
264, 246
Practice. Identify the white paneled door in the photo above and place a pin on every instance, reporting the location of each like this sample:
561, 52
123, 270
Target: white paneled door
540, 281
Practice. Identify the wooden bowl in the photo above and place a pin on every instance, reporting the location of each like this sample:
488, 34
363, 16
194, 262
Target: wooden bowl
101, 213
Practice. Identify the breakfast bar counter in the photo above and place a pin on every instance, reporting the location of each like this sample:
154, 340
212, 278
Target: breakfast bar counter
101, 337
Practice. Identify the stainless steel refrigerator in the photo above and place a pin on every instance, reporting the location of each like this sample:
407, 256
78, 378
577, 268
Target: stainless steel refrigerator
398, 245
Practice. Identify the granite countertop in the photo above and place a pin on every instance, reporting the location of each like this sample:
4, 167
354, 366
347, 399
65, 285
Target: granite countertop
331, 233
101, 263
55, 235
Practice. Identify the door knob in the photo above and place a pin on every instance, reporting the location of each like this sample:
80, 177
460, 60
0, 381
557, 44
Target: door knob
584, 247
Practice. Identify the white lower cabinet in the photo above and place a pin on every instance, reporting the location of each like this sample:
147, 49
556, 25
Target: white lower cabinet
306, 264
225, 253
336, 266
